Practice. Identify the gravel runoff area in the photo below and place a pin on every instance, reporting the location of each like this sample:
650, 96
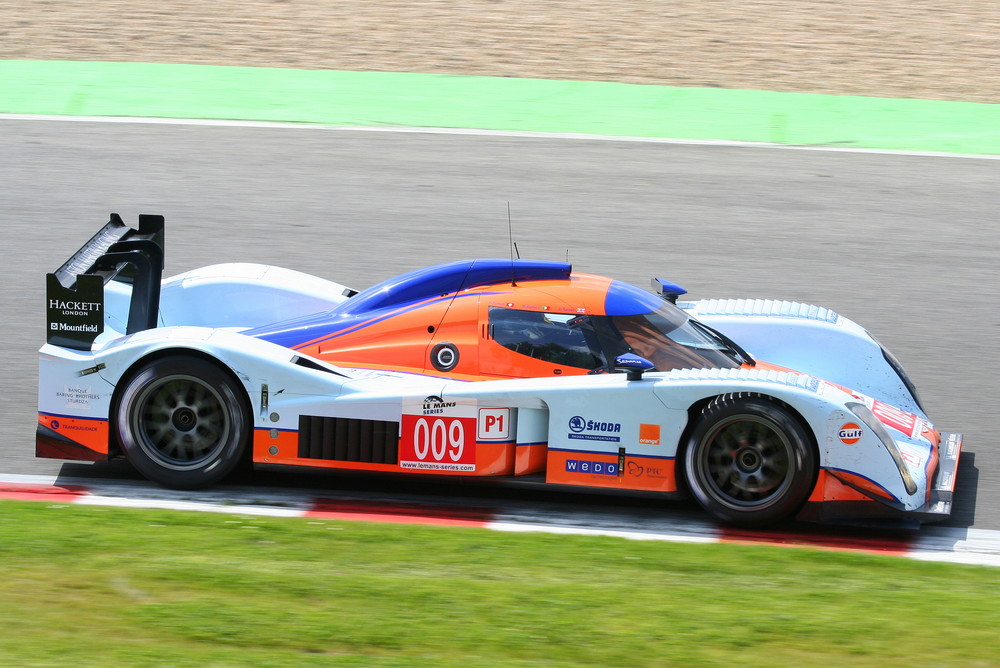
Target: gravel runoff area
930, 49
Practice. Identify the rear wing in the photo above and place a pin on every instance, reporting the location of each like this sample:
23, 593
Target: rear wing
74, 293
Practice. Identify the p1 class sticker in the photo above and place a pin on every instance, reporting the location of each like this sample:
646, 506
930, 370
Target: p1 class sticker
444, 356
494, 424
850, 433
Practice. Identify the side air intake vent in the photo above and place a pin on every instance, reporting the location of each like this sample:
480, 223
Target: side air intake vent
348, 439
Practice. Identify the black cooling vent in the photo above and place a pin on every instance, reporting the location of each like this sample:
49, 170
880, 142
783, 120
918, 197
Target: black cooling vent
348, 439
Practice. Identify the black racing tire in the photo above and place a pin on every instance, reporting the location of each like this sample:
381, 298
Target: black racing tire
183, 422
749, 461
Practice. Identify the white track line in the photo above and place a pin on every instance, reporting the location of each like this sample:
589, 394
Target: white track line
486, 133
948, 544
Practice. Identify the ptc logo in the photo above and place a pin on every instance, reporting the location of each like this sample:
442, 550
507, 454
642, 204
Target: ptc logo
577, 424
850, 433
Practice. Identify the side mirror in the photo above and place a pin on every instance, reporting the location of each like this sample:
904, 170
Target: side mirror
633, 365
668, 290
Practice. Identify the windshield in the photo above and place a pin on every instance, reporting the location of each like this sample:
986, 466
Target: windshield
669, 339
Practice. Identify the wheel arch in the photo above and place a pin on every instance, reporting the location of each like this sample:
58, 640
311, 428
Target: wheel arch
115, 448
694, 412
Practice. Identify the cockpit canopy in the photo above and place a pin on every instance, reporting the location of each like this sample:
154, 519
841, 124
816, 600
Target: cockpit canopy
667, 337
501, 319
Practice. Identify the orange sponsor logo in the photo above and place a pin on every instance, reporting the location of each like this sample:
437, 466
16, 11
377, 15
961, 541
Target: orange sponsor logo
649, 434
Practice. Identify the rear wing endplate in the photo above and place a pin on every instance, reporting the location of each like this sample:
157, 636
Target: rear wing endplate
74, 293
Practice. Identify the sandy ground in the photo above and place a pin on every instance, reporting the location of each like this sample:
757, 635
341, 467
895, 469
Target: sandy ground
891, 48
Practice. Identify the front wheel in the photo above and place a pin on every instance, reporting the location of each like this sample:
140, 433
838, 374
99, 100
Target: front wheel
183, 422
749, 461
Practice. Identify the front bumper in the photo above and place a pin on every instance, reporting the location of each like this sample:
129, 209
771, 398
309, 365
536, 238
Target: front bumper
857, 507
938, 506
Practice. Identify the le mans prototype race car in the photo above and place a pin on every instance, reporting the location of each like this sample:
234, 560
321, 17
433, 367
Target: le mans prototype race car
502, 368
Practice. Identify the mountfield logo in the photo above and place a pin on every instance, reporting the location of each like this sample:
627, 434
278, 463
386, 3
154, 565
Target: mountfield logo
592, 430
63, 327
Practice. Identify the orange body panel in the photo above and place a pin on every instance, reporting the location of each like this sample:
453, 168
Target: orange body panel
530, 458
273, 446
92, 434
833, 486
404, 340
654, 474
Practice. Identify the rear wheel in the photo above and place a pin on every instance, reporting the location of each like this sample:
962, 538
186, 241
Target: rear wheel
749, 461
183, 422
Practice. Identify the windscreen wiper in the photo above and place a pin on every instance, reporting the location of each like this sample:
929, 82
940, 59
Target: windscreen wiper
734, 347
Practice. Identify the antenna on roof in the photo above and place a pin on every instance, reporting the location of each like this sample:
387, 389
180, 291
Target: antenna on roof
513, 247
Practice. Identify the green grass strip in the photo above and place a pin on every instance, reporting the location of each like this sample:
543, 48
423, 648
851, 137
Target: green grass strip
113, 587
489, 103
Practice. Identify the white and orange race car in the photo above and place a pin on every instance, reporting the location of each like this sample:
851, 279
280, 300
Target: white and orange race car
762, 410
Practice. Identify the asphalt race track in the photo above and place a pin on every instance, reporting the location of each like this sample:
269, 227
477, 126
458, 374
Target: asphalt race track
906, 245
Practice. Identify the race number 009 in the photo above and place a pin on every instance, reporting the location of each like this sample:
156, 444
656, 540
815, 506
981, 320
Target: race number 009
439, 437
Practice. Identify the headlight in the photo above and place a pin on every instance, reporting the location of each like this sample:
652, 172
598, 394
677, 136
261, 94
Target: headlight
873, 423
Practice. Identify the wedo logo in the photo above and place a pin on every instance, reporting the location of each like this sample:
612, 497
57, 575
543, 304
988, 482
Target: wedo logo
595, 468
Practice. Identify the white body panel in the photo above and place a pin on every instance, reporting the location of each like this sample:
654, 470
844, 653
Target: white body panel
236, 295
810, 339
202, 312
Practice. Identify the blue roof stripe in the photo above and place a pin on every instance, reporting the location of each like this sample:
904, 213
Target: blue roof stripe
449, 278
404, 293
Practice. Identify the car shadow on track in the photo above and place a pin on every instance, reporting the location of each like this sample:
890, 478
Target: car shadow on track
573, 506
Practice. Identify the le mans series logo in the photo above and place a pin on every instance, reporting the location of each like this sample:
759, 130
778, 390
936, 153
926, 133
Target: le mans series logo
434, 405
592, 430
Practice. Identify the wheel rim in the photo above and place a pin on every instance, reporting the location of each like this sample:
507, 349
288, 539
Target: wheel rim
745, 463
181, 422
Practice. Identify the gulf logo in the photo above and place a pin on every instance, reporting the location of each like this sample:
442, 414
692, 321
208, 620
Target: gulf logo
850, 433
